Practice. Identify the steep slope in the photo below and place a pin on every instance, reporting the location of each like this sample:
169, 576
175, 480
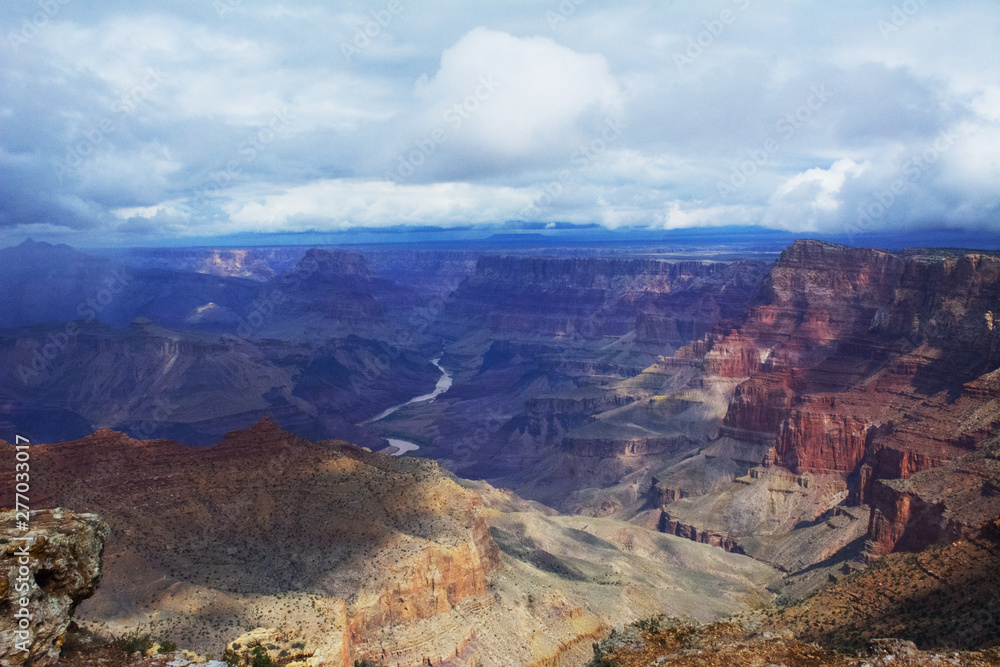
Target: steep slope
772, 434
204, 536
66, 277
942, 504
671, 642
360, 555
947, 595
196, 386
861, 367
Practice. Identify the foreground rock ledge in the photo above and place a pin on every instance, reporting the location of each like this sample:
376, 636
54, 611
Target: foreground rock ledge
64, 558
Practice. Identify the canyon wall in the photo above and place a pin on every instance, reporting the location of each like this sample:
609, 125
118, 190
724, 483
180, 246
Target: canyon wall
265, 513
666, 303
869, 365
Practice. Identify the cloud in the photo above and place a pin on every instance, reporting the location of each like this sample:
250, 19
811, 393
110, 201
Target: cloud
680, 215
806, 200
342, 204
478, 111
499, 103
543, 90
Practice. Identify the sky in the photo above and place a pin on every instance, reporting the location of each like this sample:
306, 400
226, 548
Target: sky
133, 123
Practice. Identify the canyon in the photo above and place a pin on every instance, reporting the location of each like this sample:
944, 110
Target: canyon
598, 435
361, 555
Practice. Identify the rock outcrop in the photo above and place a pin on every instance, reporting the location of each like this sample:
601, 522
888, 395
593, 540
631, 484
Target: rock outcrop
330, 553
951, 502
869, 365
853, 385
264, 512
45, 572
671, 526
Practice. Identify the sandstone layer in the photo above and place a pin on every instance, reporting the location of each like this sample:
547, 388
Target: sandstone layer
860, 367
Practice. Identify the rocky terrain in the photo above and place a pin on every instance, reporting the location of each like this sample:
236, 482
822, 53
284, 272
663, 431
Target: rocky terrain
46, 572
711, 435
357, 555
672, 642
196, 386
787, 436
946, 595
163, 352
855, 384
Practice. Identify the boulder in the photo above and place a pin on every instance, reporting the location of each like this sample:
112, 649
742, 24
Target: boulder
45, 572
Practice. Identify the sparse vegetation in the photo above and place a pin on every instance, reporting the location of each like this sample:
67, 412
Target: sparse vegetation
260, 657
600, 657
944, 597
134, 641
668, 641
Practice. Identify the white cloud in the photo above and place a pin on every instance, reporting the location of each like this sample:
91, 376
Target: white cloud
818, 187
512, 96
808, 198
681, 215
341, 204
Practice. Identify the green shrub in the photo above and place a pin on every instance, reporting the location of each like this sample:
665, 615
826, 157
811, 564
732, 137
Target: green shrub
167, 646
132, 642
600, 660
261, 658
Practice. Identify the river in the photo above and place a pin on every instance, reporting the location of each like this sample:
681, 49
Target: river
443, 385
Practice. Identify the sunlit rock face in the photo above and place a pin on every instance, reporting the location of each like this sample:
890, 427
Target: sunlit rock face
870, 366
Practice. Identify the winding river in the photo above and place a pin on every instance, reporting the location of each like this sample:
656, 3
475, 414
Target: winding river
443, 385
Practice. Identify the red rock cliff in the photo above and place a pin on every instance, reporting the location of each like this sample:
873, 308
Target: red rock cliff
869, 364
